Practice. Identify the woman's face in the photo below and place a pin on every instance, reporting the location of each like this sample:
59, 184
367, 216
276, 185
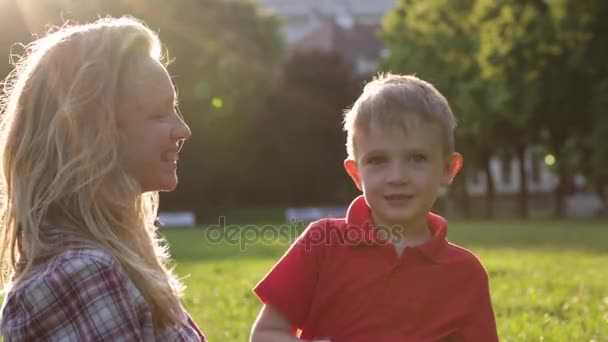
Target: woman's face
152, 130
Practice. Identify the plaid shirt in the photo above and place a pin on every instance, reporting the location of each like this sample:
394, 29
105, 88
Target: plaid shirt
84, 295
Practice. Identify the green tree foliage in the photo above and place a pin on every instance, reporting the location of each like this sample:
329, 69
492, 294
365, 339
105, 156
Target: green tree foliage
564, 52
596, 161
517, 73
267, 131
299, 144
438, 41
225, 55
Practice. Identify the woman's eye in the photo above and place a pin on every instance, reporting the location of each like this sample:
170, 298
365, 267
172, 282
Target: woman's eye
161, 116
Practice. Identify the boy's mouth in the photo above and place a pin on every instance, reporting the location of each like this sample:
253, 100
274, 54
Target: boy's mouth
398, 199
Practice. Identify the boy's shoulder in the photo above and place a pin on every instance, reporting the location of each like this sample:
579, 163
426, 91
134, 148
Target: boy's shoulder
328, 224
464, 259
327, 228
326, 233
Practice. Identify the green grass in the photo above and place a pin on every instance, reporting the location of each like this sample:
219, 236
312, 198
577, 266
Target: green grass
549, 279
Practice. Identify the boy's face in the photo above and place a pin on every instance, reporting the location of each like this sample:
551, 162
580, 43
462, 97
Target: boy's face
401, 171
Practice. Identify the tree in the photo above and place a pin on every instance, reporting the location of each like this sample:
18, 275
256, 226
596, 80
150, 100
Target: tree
438, 40
597, 158
549, 57
597, 169
225, 55
299, 142
513, 39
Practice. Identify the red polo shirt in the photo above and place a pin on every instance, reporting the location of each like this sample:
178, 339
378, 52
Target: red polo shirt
341, 281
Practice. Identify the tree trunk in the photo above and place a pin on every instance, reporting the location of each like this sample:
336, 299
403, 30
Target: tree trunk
486, 154
602, 192
523, 182
560, 193
463, 193
466, 201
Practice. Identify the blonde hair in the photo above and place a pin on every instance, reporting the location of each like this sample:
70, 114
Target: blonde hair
62, 181
393, 100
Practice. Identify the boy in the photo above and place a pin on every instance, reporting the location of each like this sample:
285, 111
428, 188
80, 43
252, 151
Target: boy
385, 272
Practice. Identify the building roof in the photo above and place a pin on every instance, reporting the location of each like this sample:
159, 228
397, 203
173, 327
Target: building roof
355, 41
294, 8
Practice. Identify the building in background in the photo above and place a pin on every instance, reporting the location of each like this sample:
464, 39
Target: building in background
347, 27
303, 16
505, 173
357, 42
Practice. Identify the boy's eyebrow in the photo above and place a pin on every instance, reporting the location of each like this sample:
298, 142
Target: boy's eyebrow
411, 151
373, 152
418, 150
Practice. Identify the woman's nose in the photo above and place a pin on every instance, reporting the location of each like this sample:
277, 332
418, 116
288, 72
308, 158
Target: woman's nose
181, 131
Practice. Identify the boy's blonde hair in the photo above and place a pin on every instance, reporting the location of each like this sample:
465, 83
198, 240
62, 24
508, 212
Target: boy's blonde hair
393, 100
62, 181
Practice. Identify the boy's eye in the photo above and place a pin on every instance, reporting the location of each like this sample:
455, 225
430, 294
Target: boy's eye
376, 160
418, 158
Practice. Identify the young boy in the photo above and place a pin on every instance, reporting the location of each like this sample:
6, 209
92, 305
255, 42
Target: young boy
385, 272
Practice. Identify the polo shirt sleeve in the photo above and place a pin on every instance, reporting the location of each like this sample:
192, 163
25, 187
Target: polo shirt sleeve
481, 325
289, 287
84, 298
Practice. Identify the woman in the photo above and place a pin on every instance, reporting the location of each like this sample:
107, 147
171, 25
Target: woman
89, 135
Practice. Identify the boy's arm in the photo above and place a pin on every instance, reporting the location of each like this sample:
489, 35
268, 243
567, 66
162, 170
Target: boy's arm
481, 326
287, 291
272, 326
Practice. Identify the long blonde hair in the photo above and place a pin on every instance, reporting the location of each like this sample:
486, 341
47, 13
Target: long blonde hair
62, 181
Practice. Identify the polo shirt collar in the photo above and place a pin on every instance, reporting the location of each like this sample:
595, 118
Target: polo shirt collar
358, 221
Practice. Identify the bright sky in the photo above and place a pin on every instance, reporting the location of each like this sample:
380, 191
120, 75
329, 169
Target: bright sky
30, 10
34, 14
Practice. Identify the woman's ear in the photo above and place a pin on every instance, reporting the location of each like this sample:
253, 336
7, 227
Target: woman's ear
353, 171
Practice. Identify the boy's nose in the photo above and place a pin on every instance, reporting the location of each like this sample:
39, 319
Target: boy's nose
397, 174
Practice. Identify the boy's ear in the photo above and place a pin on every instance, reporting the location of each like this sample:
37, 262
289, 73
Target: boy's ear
353, 171
453, 164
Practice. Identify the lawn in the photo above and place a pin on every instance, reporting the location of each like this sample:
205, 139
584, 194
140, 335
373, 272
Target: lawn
549, 279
